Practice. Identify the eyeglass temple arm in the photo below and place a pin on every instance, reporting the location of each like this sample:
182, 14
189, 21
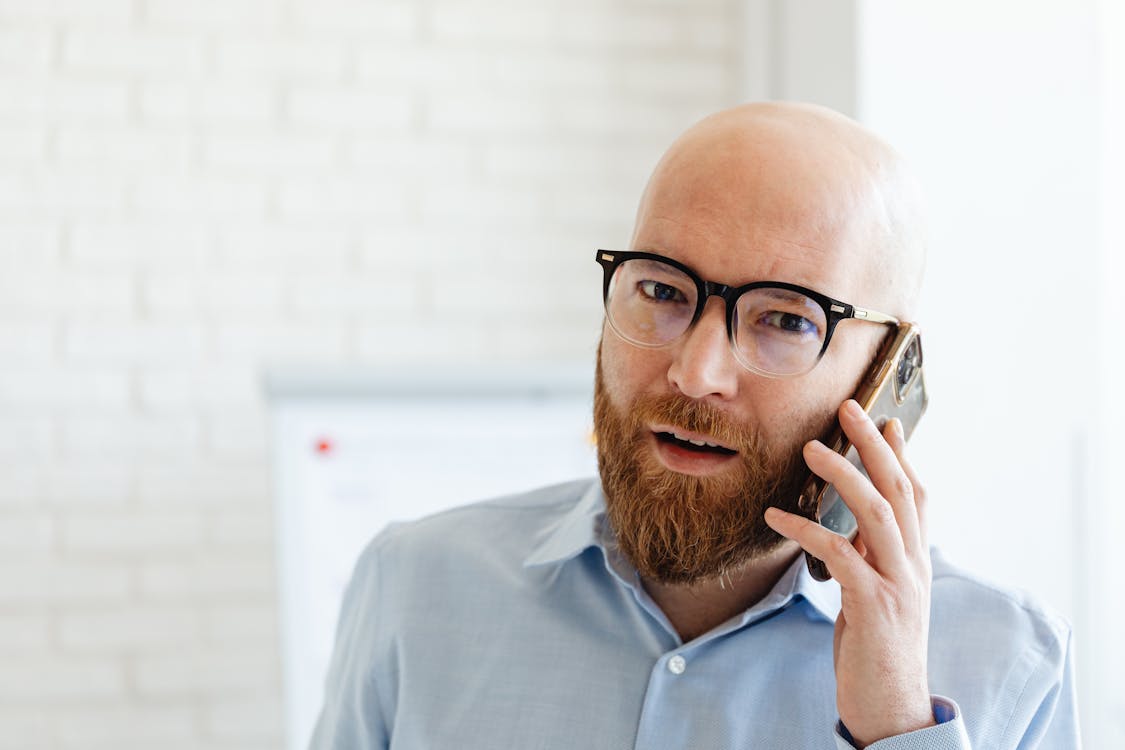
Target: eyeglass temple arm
873, 315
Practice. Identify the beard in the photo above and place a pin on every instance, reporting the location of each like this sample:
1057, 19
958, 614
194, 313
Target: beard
678, 528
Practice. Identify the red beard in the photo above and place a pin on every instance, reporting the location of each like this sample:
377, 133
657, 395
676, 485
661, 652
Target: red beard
678, 528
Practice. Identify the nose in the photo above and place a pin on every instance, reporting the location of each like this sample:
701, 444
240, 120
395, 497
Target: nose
704, 364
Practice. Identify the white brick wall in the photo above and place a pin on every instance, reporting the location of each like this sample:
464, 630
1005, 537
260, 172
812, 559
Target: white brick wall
191, 192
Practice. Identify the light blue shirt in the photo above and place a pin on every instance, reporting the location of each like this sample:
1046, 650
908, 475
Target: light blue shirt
514, 623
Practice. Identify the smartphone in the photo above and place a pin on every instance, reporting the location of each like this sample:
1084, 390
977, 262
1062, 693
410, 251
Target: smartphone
894, 386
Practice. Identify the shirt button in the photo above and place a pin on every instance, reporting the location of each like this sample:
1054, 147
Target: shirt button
677, 664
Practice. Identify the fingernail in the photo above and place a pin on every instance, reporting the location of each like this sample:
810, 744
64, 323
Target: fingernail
816, 446
897, 427
854, 409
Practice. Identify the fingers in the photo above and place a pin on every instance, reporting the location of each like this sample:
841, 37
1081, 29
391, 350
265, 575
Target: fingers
844, 562
888, 503
897, 442
882, 455
874, 515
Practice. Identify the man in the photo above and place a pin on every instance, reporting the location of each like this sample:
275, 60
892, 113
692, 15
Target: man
668, 605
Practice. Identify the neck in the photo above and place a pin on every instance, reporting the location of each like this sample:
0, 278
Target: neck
695, 608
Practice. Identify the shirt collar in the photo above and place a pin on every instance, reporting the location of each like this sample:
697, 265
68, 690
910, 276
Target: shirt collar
822, 596
573, 533
582, 527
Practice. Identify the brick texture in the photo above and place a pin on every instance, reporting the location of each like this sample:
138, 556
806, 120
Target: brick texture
192, 192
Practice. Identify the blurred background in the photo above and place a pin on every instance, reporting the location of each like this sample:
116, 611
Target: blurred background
199, 200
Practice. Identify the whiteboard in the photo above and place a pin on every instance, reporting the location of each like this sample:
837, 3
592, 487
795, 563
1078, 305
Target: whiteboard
354, 452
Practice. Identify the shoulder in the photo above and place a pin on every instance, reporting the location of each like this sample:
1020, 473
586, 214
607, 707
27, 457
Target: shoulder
1005, 657
976, 601
506, 527
998, 632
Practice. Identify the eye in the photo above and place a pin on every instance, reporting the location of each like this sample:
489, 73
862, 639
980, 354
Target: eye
659, 292
789, 322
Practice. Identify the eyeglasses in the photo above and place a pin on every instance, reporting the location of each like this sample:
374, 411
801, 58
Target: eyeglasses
775, 329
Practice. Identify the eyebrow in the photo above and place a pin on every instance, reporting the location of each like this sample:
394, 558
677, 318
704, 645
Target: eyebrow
788, 295
777, 293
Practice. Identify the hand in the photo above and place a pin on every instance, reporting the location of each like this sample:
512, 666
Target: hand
880, 642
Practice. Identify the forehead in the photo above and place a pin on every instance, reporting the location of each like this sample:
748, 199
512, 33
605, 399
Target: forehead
769, 193
745, 235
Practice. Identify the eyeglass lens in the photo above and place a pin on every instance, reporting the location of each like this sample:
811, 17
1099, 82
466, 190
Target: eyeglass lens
776, 330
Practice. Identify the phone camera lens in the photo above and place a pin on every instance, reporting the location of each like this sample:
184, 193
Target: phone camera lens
909, 364
905, 371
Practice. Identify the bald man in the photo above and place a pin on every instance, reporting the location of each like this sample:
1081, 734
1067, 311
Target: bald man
667, 605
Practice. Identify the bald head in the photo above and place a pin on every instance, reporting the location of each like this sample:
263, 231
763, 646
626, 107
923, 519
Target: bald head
804, 182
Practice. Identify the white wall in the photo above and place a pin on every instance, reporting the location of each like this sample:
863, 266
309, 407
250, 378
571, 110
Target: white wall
1004, 138
1105, 524
191, 192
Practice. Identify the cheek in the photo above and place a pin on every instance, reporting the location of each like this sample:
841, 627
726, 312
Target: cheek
818, 395
793, 411
628, 370
853, 361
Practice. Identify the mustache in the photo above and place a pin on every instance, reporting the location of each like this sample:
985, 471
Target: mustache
691, 415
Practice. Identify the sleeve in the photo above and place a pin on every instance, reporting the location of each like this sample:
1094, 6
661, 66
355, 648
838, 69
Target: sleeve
352, 717
948, 734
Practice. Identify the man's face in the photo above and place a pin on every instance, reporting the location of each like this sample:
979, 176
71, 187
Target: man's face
684, 512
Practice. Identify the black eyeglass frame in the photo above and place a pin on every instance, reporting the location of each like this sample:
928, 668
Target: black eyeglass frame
834, 309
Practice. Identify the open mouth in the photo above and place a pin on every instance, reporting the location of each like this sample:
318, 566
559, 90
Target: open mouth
690, 444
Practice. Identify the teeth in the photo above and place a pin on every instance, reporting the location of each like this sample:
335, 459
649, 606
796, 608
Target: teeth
700, 443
